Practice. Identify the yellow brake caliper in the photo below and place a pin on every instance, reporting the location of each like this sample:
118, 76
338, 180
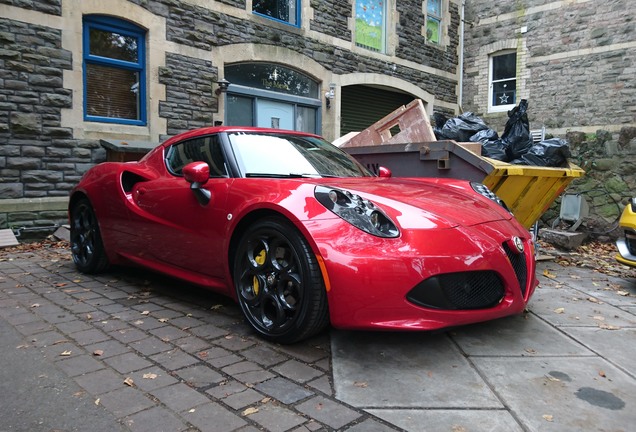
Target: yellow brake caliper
260, 260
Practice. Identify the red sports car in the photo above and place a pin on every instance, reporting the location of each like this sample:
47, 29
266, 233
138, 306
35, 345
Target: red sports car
302, 235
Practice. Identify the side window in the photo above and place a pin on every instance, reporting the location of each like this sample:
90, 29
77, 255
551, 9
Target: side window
433, 29
503, 81
287, 11
114, 71
206, 149
370, 24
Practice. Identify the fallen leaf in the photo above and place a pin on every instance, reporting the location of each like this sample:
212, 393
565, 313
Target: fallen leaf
192, 410
65, 353
531, 351
97, 401
250, 410
608, 327
129, 382
598, 318
602, 374
98, 353
266, 400
138, 322
548, 417
89, 317
145, 313
163, 320
61, 284
547, 274
203, 354
622, 293
559, 310
360, 384
35, 305
149, 376
593, 300
215, 307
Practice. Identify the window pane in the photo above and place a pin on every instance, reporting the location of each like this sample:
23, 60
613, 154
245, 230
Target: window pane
504, 92
432, 30
239, 111
112, 92
272, 77
504, 66
284, 10
306, 119
113, 45
434, 7
370, 24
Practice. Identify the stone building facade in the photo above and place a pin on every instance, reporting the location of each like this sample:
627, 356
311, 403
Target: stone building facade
51, 130
575, 63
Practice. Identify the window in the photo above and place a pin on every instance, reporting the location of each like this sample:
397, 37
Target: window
434, 21
503, 81
281, 10
114, 71
371, 24
206, 149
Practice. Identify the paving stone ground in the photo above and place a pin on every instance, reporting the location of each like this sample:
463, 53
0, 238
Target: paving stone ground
146, 353
129, 350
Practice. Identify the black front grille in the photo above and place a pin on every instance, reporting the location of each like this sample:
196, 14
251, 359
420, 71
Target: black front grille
630, 241
518, 261
459, 291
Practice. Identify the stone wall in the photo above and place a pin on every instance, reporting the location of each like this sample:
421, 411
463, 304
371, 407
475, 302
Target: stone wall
331, 17
577, 61
610, 179
190, 101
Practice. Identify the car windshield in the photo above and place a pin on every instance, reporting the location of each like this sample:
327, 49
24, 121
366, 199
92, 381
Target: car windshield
282, 155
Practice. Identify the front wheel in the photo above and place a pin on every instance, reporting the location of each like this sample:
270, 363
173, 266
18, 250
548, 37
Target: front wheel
278, 282
87, 248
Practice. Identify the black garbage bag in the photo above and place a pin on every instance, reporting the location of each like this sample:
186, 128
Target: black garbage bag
517, 131
439, 120
461, 128
495, 149
552, 152
485, 135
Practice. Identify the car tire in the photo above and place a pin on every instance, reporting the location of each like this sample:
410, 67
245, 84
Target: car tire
87, 247
278, 282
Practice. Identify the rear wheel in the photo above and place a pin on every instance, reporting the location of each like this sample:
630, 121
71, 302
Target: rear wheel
87, 248
278, 282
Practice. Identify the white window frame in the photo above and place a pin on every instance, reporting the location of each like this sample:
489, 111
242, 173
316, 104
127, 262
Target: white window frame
491, 83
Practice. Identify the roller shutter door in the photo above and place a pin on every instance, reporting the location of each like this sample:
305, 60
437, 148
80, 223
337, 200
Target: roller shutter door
362, 106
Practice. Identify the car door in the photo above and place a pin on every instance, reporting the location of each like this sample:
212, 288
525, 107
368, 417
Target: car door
172, 226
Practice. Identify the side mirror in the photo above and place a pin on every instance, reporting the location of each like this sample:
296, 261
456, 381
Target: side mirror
198, 174
384, 172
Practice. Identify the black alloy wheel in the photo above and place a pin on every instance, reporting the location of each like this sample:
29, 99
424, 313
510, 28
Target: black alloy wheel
278, 282
87, 248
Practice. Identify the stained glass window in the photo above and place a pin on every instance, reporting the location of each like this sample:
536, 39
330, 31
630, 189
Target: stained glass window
370, 24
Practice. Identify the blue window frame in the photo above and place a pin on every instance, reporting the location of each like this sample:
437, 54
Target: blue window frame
287, 11
114, 71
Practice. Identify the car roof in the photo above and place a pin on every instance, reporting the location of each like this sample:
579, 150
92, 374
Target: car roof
221, 129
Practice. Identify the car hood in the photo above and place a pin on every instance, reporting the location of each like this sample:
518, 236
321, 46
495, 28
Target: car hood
425, 203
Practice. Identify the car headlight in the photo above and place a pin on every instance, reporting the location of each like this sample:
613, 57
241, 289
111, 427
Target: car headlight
360, 213
483, 190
